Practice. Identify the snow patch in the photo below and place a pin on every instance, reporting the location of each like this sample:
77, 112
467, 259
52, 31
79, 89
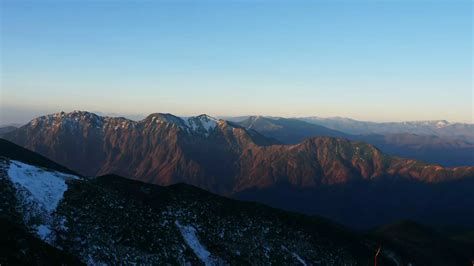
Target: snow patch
253, 121
38, 192
296, 256
190, 237
202, 124
45, 187
43, 231
390, 255
441, 124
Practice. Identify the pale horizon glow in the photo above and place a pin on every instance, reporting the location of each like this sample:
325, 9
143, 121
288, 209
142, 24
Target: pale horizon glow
367, 60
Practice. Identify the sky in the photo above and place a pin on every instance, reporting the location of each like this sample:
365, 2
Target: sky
368, 60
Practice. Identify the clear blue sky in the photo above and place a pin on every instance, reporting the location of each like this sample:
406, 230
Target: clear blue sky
371, 60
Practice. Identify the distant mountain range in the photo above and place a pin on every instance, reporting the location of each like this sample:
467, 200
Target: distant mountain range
438, 141
288, 131
50, 215
430, 148
441, 128
6, 129
351, 182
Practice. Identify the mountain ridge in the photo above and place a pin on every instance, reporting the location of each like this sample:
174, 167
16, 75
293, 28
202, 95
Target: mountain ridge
233, 161
430, 148
198, 149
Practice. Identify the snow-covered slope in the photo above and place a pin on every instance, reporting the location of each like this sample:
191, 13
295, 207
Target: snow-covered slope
190, 237
202, 124
46, 188
38, 193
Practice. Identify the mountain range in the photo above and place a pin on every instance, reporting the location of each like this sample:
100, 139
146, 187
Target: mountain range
6, 129
440, 128
429, 148
351, 182
51, 215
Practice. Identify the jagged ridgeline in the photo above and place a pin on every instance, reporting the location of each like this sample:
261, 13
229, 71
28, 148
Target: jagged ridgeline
217, 155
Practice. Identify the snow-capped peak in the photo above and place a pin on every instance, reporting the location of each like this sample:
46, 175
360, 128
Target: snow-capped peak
82, 120
202, 123
63, 118
165, 118
442, 123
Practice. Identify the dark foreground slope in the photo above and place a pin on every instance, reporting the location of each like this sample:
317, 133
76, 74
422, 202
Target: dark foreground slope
18, 247
365, 204
423, 244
